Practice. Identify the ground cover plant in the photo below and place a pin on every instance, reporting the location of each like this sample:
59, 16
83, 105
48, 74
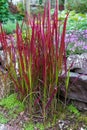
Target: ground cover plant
12, 112
11, 108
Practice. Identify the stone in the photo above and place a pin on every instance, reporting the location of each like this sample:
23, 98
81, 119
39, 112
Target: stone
8, 127
3, 127
77, 91
2, 60
79, 63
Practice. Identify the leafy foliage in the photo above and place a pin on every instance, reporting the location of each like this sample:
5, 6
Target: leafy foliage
4, 12
76, 21
73, 22
11, 102
3, 119
73, 109
12, 106
31, 126
77, 5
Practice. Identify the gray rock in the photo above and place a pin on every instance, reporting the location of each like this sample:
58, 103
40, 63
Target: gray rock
3, 127
78, 90
63, 125
79, 63
78, 80
2, 61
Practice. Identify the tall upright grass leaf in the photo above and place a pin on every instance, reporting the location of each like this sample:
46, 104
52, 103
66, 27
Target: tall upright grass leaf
62, 45
51, 98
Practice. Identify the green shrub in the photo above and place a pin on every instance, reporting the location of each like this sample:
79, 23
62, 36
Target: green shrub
4, 12
77, 5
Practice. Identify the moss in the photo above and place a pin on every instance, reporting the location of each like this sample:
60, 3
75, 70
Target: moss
11, 102
38, 126
73, 110
32, 126
12, 105
29, 126
3, 119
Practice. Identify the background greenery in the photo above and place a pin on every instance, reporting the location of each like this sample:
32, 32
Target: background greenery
4, 11
6, 14
77, 5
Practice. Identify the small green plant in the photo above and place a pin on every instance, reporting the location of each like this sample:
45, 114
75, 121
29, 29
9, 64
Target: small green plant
29, 126
3, 119
13, 106
12, 103
40, 126
73, 109
32, 126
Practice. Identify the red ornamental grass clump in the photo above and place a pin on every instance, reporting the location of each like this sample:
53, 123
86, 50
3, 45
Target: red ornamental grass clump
34, 64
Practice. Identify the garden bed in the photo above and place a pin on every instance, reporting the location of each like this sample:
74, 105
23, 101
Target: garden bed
14, 117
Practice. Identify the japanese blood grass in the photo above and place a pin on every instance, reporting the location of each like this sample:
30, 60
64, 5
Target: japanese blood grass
36, 63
